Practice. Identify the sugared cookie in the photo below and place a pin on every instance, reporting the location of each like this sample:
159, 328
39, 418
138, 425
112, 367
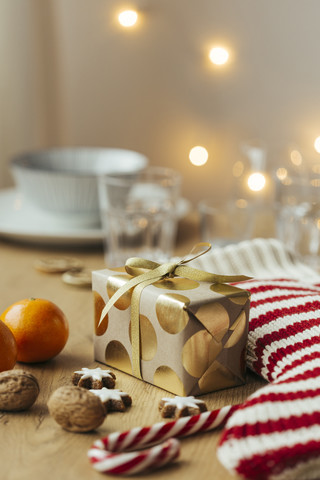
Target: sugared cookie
113, 400
94, 378
181, 406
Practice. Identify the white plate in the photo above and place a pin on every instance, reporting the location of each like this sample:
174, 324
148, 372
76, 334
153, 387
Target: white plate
21, 221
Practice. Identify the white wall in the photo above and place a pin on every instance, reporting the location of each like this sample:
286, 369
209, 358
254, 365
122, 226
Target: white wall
23, 90
71, 76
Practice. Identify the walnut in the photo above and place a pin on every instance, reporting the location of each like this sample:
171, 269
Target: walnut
76, 409
19, 390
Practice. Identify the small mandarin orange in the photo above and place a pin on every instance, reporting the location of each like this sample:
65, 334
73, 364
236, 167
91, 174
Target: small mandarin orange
39, 327
8, 348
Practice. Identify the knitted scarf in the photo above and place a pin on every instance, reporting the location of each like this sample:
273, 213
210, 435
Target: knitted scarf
275, 434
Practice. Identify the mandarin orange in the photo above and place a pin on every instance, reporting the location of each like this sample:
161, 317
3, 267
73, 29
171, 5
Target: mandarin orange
8, 348
40, 329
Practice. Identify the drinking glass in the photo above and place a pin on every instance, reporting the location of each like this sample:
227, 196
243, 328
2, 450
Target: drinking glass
298, 215
223, 223
290, 203
138, 214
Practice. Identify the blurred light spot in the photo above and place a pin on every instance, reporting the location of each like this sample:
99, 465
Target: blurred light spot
198, 156
315, 182
317, 144
237, 169
296, 157
219, 55
256, 181
128, 18
241, 203
316, 168
282, 173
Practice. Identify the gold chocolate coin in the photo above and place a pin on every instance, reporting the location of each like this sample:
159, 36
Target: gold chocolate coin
58, 265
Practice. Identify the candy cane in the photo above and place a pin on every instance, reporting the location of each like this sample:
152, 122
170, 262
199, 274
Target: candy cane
133, 462
103, 453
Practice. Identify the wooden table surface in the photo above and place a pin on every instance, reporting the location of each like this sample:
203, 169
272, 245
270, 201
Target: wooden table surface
32, 444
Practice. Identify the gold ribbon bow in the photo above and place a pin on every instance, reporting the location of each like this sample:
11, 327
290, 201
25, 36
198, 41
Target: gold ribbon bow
144, 273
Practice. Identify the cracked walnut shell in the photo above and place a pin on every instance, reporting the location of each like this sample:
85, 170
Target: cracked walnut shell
76, 409
19, 390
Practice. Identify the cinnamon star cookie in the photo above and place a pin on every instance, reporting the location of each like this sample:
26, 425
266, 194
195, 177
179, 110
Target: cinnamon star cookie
181, 406
94, 378
114, 400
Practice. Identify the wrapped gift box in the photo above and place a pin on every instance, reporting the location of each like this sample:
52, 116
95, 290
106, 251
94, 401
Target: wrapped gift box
192, 334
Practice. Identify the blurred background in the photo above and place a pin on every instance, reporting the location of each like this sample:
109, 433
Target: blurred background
73, 76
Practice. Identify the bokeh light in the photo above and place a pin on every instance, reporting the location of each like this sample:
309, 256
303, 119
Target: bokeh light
219, 55
317, 144
128, 18
256, 181
238, 169
241, 203
296, 157
282, 173
198, 155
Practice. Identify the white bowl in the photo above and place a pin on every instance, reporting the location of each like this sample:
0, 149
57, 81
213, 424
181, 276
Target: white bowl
63, 181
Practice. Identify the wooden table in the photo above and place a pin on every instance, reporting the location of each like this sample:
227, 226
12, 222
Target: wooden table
32, 445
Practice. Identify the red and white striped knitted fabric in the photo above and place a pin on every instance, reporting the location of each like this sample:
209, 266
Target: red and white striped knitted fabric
275, 434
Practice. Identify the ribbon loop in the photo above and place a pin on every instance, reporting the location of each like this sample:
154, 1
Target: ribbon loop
145, 272
197, 250
136, 266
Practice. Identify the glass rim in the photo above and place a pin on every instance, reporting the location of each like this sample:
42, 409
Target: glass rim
154, 173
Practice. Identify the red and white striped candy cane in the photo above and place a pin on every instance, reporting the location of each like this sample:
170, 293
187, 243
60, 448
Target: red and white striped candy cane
105, 453
129, 463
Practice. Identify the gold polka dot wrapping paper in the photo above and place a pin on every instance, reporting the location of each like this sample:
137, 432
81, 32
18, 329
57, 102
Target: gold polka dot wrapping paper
192, 334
